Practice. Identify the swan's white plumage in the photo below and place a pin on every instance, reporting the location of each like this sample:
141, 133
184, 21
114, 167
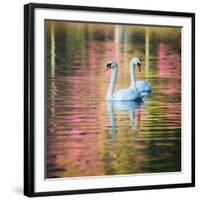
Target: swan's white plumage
143, 86
128, 94
137, 90
124, 105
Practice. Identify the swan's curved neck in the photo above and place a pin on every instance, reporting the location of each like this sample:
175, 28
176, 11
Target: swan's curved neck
132, 72
112, 83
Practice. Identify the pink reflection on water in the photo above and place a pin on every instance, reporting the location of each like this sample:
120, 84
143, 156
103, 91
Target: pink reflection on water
80, 154
169, 67
168, 64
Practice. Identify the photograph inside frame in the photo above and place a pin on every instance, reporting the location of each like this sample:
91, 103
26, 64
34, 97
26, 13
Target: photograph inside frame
112, 99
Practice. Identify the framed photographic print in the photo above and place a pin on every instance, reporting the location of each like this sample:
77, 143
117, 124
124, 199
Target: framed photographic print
108, 99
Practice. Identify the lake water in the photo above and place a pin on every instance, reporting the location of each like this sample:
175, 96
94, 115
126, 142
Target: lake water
87, 136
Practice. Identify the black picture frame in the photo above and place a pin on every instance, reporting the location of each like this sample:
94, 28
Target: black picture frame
29, 102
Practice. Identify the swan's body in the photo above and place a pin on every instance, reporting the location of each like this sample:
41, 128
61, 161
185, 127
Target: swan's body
129, 94
142, 86
124, 105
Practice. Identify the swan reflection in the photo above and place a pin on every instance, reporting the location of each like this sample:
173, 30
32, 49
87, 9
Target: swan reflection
124, 110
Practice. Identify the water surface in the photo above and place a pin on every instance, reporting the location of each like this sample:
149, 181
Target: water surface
87, 136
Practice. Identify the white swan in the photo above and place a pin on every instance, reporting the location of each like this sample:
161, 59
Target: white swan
142, 86
128, 94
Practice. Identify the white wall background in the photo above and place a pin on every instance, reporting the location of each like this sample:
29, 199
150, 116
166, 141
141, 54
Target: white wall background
11, 98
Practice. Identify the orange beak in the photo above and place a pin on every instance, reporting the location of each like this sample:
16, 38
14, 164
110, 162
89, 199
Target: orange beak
106, 69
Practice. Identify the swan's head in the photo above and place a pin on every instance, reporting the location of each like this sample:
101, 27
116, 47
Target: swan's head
136, 62
111, 65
